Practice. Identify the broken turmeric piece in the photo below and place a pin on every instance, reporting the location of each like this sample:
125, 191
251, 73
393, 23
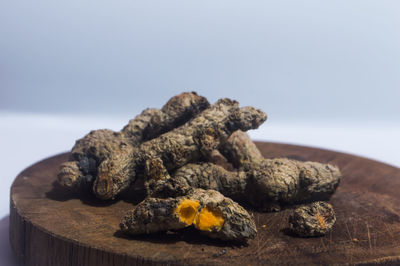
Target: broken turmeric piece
315, 219
207, 210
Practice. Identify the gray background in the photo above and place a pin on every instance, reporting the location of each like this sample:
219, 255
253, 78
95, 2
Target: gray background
297, 60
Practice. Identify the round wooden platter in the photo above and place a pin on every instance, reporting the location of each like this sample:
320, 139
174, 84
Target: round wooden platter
50, 226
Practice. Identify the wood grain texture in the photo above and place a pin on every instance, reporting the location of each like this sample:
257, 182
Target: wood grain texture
50, 226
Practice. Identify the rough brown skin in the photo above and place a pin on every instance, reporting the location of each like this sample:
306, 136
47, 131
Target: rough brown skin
268, 185
217, 158
240, 150
89, 152
152, 215
191, 142
199, 175
78, 173
177, 111
315, 219
274, 183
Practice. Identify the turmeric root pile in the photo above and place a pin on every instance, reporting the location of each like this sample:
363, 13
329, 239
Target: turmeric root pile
176, 152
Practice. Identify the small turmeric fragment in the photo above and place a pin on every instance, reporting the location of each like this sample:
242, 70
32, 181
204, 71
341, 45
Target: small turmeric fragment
315, 219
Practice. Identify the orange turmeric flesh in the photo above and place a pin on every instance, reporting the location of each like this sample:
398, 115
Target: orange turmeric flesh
187, 211
209, 219
321, 220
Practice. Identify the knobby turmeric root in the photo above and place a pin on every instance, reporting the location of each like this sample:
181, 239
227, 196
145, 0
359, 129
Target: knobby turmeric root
79, 173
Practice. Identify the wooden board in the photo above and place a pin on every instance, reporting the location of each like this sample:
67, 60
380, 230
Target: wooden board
50, 226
